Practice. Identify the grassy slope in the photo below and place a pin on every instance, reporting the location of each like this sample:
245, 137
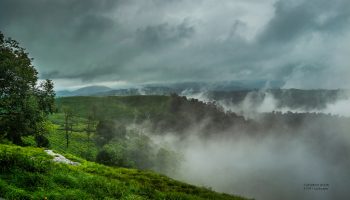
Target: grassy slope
90, 180
29, 173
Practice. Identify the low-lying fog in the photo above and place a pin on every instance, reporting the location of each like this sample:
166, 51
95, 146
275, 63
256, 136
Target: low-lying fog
273, 164
249, 107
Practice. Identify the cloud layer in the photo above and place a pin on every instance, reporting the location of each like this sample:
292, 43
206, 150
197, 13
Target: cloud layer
74, 42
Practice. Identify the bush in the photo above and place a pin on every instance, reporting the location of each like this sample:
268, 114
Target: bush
42, 141
105, 158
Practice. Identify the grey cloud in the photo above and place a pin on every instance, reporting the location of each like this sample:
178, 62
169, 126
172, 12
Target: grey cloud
163, 34
291, 21
92, 26
87, 75
143, 41
119, 61
47, 13
287, 23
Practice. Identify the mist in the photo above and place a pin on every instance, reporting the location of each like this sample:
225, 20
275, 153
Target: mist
263, 101
268, 165
279, 162
340, 108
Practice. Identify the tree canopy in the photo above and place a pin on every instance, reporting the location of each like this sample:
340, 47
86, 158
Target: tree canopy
24, 103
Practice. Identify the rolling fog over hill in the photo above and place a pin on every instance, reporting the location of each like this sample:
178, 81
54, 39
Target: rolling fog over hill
274, 159
270, 156
280, 141
243, 97
254, 97
250, 102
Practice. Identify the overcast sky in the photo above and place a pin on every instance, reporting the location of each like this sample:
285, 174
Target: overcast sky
305, 43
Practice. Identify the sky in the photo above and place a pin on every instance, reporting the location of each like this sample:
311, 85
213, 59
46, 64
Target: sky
118, 43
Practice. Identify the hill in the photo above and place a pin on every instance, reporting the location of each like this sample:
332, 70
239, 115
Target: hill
223, 93
179, 115
30, 173
84, 91
116, 107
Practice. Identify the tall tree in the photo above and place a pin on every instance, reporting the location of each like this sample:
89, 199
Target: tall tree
91, 121
68, 123
23, 104
106, 130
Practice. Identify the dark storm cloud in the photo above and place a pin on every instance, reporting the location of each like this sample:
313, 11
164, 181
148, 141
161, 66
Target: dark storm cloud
160, 41
87, 75
58, 33
163, 34
292, 20
143, 41
91, 26
51, 14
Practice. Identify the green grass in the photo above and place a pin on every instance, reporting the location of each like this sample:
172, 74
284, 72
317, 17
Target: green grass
29, 173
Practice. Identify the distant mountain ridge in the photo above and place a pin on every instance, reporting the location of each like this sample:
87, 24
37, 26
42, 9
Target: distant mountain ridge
84, 91
168, 88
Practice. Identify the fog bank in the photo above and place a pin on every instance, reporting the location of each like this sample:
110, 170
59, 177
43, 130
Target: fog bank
272, 165
263, 101
278, 162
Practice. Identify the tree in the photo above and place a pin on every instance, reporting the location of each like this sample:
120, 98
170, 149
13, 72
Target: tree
106, 130
68, 123
91, 122
139, 150
134, 151
23, 104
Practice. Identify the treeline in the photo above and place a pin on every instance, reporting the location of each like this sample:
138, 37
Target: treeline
123, 135
185, 113
177, 114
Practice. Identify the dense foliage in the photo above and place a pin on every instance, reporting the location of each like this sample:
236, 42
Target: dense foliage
24, 104
112, 143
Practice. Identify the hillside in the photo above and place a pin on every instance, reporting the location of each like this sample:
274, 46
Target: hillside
165, 113
164, 117
287, 99
29, 173
116, 107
